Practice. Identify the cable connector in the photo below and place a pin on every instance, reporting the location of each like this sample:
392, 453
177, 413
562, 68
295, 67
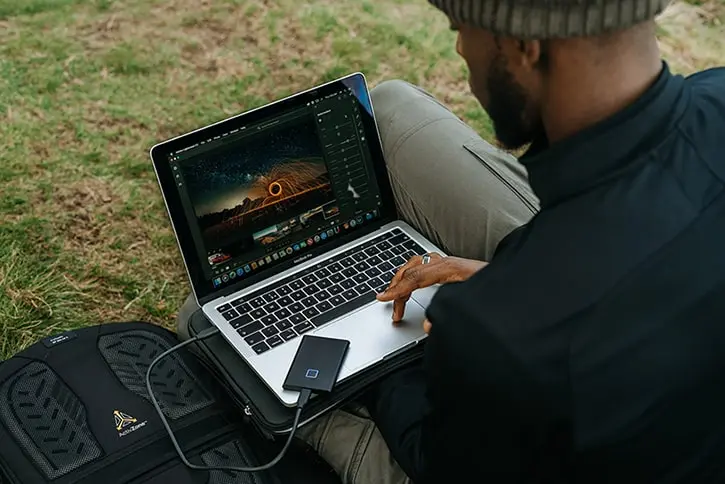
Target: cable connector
304, 397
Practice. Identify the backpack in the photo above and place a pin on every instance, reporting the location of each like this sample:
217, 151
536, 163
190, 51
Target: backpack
74, 409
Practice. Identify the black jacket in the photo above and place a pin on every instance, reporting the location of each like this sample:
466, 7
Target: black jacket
592, 348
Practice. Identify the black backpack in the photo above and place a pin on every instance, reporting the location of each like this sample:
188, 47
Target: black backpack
74, 409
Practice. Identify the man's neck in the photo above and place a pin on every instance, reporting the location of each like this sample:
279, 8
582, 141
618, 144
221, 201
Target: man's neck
582, 93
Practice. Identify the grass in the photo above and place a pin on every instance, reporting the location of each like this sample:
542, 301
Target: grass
86, 87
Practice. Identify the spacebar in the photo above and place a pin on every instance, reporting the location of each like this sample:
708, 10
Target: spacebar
343, 309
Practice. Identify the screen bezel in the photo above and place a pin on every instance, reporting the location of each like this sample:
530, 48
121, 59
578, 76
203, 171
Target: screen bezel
204, 289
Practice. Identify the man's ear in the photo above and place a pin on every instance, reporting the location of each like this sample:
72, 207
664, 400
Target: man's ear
532, 53
525, 54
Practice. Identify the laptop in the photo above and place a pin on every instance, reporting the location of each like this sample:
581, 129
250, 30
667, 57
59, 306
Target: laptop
286, 222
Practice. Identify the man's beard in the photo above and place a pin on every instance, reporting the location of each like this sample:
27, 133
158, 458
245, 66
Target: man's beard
507, 104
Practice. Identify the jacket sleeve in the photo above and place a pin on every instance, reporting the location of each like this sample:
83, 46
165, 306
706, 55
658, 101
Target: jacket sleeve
472, 409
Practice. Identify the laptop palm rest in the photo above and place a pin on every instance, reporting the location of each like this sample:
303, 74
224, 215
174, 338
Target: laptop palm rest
372, 334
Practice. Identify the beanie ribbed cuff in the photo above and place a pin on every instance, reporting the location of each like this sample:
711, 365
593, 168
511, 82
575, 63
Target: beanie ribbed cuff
547, 19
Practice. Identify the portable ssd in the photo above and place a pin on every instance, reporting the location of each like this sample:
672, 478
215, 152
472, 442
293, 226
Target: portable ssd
317, 363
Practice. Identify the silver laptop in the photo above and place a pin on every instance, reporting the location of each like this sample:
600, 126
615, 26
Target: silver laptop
287, 225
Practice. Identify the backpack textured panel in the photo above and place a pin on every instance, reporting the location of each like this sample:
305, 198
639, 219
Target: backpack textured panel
129, 355
48, 420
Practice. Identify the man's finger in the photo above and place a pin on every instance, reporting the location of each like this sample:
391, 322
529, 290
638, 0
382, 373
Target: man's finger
399, 308
427, 326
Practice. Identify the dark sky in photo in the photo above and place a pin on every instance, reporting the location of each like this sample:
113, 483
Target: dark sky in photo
223, 179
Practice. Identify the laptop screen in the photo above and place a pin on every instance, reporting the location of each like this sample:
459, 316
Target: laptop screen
272, 190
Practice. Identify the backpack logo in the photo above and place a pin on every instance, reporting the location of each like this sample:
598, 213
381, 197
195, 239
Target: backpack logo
122, 420
125, 424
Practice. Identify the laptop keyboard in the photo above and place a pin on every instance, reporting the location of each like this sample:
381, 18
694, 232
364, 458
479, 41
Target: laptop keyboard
312, 298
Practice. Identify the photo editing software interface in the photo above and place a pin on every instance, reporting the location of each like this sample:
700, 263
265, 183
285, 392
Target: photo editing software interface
271, 191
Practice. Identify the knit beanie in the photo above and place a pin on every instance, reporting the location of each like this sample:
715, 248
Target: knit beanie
547, 19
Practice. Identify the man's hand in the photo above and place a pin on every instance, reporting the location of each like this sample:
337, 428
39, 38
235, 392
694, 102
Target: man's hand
416, 275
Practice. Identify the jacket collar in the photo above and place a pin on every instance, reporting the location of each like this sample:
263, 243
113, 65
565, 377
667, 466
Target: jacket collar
602, 151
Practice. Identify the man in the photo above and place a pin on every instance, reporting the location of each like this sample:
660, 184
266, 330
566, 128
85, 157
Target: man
591, 347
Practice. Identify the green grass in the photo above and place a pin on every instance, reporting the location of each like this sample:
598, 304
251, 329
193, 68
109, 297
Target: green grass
86, 87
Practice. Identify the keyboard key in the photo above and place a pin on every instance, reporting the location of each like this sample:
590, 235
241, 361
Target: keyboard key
311, 289
374, 272
343, 309
309, 301
359, 257
269, 319
336, 300
372, 251
257, 303
304, 327
297, 295
224, 308
397, 262
398, 250
362, 289
284, 324
309, 279
351, 294
413, 246
360, 278
374, 260
322, 295
380, 289
250, 328
385, 266
399, 239
385, 245
272, 307
324, 283
310, 313
260, 348
347, 284
378, 239
387, 255
241, 321
288, 335
349, 272
335, 290
376, 281
284, 290
361, 266
283, 314
336, 267
229, 315
285, 301
258, 313
274, 341
335, 278
296, 308
347, 262
296, 318
322, 273
243, 307
270, 331
324, 306
388, 276
271, 296
396, 231
408, 255
296, 285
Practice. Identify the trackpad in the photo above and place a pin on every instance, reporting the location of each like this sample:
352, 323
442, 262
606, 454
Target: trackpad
373, 335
